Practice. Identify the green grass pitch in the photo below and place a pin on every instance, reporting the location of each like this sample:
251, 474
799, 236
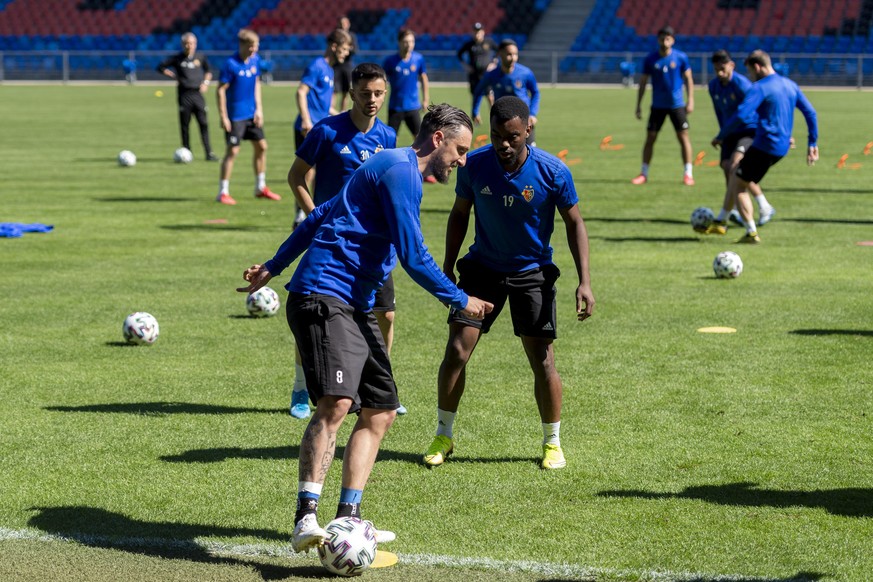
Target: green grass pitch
691, 456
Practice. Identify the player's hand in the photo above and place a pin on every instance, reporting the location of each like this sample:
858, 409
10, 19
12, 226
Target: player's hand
305, 126
716, 143
257, 276
791, 143
533, 120
225, 124
689, 109
639, 113
258, 118
477, 308
477, 120
584, 302
812, 156
424, 104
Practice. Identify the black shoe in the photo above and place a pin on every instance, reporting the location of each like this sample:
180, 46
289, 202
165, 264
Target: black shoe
211, 157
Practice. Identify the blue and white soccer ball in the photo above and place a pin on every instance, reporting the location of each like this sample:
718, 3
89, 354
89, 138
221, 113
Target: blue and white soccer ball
126, 158
140, 328
727, 265
701, 218
350, 546
263, 303
183, 156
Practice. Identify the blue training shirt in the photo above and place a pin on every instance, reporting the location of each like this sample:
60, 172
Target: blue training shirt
354, 240
241, 78
403, 78
666, 74
337, 148
773, 100
318, 76
726, 99
520, 83
515, 213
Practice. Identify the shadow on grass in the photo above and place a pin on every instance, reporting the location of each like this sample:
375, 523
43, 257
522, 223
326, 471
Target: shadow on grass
99, 528
143, 199
827, 220
848, 502
823, 190
649, 239
799, 577
858, 332
638, 220
163, 408
120, 344
210, 227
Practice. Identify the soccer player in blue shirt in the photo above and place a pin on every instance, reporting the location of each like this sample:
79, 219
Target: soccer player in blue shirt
727, 90
242, 117
315, 92
405, 70
515, 190
510, 78
351, 243
669, 69
336, 147
771, 101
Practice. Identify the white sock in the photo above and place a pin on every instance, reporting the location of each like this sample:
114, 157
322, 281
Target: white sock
750, 228
445, 422
688, 171
299, 378
763, 203
224, 186
552, 433
644, 170
262, 181
310, 486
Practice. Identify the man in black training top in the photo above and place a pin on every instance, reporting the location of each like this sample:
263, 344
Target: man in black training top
477, 56
190, 70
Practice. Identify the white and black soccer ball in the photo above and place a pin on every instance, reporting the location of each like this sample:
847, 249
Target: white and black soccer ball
126, 158
350, 546
183, 156
701, 218
263, 303
727, 265
140, 328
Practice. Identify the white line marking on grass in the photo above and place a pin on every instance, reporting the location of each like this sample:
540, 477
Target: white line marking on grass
228, 550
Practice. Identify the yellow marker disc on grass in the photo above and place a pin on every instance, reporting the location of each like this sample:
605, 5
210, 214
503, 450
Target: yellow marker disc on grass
384, 559
717, 329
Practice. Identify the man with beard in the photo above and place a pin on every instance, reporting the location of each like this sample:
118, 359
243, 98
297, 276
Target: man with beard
515, 189
336, 147
351, 243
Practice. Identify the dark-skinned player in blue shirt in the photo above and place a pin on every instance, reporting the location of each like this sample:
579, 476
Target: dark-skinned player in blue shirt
515, 189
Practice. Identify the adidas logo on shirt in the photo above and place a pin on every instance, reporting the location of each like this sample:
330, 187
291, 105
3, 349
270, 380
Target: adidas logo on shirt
486, 191
345, 150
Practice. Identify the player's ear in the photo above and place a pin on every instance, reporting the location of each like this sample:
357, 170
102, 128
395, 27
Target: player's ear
438, 137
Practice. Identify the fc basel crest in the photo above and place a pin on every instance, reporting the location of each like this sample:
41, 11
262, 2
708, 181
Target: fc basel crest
519, 83
528, 193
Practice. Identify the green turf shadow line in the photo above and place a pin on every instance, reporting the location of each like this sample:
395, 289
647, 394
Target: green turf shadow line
164, 408
826, 220
847, 502
211, 227
100, 528
857, 332
649, 239
636, 220
143, 199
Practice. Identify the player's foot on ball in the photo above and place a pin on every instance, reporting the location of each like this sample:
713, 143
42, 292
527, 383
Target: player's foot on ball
300, 404
751, 238
225, 199
401, 410
717, 228
211, 157
383, 536
431, 180
553, 457
267, 193
766, 215
307, 534
641, 179
735, 217
438, 451
688, 180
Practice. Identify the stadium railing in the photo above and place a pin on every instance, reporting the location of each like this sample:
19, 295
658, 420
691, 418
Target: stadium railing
819, 69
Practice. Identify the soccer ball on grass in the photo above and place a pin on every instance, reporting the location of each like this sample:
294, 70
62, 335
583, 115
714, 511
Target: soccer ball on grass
701, 218
727, 265
350, 546
140, 328
126, 158
263, 303
183, 156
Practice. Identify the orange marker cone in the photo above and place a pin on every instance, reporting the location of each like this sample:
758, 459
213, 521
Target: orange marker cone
868, 148
563, 154
699, 159
842, 163
481, 140
604, 143
855, 166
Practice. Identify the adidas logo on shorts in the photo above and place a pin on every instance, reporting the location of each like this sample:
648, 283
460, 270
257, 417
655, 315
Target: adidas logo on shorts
548, 327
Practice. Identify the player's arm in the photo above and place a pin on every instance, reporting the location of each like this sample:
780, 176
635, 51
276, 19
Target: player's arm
299, 185
641, 91
577, 239
689, 90
747, 112
221, 97
425, 91
534, 91
303, 107
456, 232
207, 75
166, 67
811, 118
478, 93
259, 109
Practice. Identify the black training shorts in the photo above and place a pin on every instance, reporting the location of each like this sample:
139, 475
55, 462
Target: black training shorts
385, 295
755, 164
736, 142
678, 116
244, 129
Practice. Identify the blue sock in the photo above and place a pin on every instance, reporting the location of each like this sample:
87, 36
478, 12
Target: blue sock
349, 503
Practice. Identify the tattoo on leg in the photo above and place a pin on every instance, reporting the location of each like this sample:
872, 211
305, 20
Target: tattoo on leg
309, 464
